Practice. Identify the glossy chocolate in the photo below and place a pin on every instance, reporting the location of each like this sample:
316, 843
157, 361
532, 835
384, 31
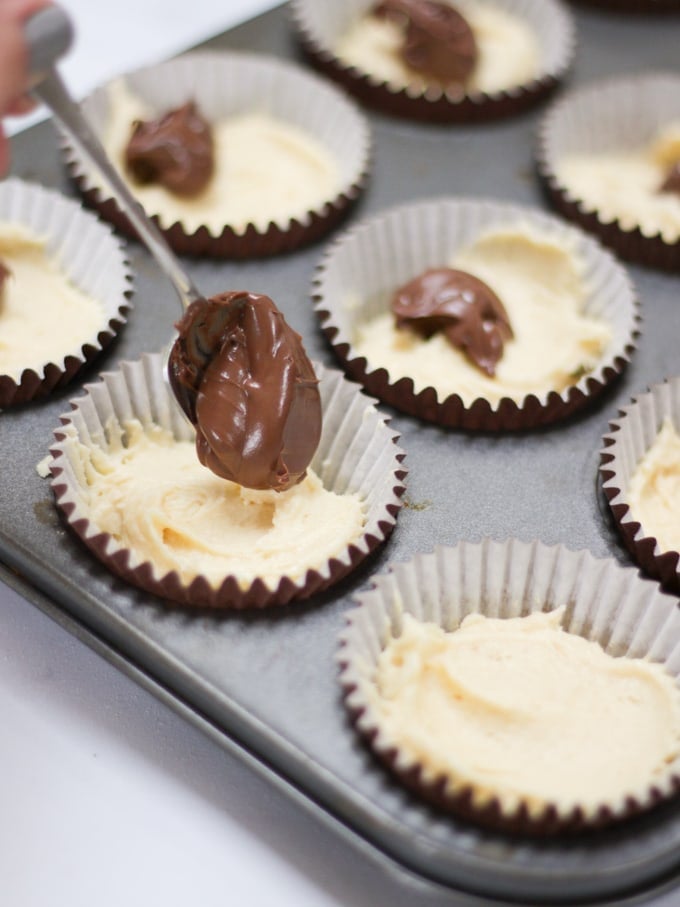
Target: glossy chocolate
671, 182
175, 151
242, 376
462, 307
438, 42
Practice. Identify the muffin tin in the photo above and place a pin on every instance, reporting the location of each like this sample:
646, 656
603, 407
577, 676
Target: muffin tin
269, 681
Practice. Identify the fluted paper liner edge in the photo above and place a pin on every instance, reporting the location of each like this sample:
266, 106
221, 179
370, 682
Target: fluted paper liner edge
357, 453
630, 436
603, 601
616, 113
223, 84
86, 249
549, 18
393, 247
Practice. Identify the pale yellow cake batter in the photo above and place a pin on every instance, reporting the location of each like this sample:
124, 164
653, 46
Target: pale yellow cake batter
525, 712
539, 283
623, 184
654, 490
508, 49
152, 494
265, 170
44, 317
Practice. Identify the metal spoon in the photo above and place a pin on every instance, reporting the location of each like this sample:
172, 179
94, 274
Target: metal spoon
49, 34
279, 460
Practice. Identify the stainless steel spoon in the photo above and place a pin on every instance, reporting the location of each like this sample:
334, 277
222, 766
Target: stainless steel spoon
49, 34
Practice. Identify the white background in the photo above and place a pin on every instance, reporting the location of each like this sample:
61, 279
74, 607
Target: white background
106, 796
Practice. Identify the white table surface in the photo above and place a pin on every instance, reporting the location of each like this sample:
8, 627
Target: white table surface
107, 797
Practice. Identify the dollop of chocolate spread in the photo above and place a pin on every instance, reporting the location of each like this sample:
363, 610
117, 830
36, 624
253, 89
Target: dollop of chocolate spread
438, 42
462, 307
176, 151
671, 182
242, 376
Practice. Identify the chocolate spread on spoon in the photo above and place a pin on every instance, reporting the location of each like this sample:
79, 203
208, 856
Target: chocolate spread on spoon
438, 42
462, 307
175, 151
671, 182
242, 376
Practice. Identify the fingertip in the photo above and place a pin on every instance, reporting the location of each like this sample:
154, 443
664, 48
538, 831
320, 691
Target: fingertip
21, 106
4, 154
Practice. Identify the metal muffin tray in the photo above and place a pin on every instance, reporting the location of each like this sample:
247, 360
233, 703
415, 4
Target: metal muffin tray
268, 681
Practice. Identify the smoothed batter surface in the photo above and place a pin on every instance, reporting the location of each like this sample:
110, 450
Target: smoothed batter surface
523, 711
654, 490
508, 50
44, 317
151, 493
265, 170
539, 282
624, 184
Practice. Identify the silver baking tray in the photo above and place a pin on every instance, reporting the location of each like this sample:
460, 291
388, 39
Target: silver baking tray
266, 684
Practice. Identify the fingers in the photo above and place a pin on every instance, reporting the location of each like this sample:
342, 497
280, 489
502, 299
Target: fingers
21, 106
13, 52
14, 64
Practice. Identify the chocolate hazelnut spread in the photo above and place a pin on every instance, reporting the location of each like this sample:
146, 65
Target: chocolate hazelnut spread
242, 376
438, 42
671, 182
462, 307
176, 151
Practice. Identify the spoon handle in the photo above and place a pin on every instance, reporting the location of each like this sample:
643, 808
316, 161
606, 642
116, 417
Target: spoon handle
48, 34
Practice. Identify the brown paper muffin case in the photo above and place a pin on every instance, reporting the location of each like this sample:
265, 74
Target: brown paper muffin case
614, 114
628, 439
318, 23
376, 256
357, 453
605, 602
224, 84
86, 249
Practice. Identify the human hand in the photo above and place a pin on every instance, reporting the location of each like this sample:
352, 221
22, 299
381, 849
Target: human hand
14, 63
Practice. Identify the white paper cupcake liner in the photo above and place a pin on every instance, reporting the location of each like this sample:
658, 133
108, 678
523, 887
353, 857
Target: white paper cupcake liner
630, 437
319, 23
603, 601
92, 258
357, 454
612, 115
223, 85
375, 257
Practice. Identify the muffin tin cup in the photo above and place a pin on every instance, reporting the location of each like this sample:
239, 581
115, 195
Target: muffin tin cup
319, 24
611, 115
94, 261
603, 601
224, 85
630, 437
375, 257
357, 454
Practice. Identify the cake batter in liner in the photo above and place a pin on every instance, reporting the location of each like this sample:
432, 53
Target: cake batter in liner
224, 85
94, 261
357, 454
319, 23
611, 115
613, 605
375, 257
629, 438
